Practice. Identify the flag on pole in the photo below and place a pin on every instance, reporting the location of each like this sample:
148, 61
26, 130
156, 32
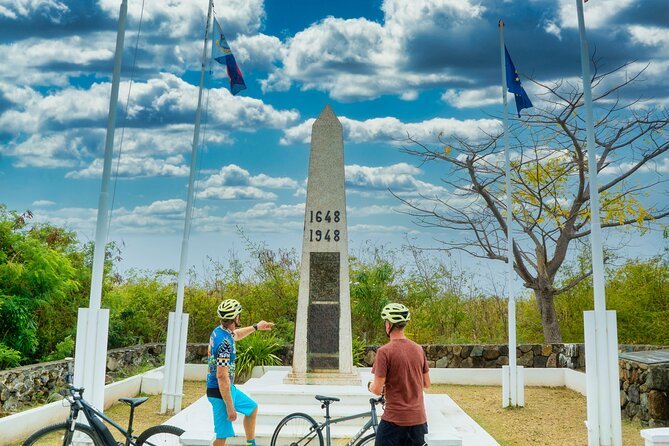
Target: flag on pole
513, 84
221, 53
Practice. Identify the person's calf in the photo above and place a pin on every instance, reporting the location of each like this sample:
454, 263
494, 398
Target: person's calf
250, 426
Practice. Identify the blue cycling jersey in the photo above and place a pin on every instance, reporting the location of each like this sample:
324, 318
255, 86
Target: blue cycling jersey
222, 353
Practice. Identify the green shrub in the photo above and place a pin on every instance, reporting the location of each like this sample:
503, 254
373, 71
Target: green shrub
8, 357
359, 350
64, 349
256, 350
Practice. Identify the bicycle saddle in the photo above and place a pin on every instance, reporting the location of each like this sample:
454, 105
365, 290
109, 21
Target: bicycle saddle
134, 402
326, 399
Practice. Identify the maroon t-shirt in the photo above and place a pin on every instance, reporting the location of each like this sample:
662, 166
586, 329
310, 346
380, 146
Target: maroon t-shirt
402, 362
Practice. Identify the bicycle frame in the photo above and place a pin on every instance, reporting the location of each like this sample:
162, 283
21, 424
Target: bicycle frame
373, 422
79, 404
359, 434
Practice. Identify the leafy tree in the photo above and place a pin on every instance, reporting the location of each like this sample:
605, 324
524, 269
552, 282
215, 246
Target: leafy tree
35, 271
550, 183
373, 285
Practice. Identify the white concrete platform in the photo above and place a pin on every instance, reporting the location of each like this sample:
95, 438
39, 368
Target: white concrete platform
275, 399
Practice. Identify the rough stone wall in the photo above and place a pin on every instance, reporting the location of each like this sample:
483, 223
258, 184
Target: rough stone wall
491, 355
644, 392
25, 386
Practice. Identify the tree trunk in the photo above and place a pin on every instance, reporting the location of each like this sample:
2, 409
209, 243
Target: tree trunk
549, 321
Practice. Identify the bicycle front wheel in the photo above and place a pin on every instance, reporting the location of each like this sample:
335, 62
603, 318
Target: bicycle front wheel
297, 429
161, 435
60, 435
367, 441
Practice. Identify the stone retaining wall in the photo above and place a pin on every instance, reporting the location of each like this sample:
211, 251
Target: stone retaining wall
492, 356
644, 392
29, 385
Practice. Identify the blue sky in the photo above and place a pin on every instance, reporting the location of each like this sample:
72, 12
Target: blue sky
387, 67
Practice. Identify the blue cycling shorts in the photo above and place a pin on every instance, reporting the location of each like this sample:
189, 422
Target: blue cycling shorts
243, 404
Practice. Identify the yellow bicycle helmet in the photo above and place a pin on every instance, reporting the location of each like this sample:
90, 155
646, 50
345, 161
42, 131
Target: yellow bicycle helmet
229, 309
395, 313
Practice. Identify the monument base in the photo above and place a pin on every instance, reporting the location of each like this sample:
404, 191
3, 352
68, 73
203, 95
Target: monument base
324, 377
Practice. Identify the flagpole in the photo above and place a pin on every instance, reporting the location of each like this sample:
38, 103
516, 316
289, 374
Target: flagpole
93, 322
512, 398
178, 328
603, 407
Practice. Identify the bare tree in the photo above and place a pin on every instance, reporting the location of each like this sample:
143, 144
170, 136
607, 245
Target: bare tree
550, 185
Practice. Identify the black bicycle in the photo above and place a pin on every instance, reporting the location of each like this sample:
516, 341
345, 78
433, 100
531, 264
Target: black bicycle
299, 429
96, 433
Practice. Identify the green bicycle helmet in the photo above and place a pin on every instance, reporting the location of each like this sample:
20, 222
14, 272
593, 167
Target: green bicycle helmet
229, 309
395, 313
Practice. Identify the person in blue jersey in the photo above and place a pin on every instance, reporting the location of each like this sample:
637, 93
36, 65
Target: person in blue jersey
226, 400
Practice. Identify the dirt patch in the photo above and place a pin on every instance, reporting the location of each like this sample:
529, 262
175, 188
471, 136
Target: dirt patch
551, 416
147, 414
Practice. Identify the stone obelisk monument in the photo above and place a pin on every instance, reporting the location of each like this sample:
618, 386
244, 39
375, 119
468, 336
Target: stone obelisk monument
323, 339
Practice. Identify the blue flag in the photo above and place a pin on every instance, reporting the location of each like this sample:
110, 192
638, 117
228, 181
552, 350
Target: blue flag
513, 84
221, 53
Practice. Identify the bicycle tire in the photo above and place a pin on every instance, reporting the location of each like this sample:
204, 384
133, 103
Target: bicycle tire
57, 435
367, 441
160, 435
297, 429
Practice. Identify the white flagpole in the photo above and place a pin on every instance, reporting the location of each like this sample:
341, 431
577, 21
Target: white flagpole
93, 322
511, 396
178, 328
602, 392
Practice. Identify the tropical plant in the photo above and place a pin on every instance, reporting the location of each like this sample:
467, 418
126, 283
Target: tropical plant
359, 350
257, 350
9, 357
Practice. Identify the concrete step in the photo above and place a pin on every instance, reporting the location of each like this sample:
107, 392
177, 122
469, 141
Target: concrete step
264, 434
272, 414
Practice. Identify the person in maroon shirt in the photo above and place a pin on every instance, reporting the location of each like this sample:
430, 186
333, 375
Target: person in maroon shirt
401, 373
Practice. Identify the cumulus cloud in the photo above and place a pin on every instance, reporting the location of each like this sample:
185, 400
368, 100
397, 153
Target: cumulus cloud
359, 58
14, 9
379, 229
392, 130
43, 203
67, 125
136, 167
659, 166
158, 217
399, 178
235, 183
597, 14
472, 97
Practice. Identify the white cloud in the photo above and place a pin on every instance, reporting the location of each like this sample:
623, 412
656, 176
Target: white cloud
649, 35
178, 18
367, 211
235, 183
398, 178
552, 28
659, 166
136, 167
43, 203
52, 150
472, 97
14, 9
163, 108
268, 211
597, 14
391, 130
258, 50
379, 229
358, 58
